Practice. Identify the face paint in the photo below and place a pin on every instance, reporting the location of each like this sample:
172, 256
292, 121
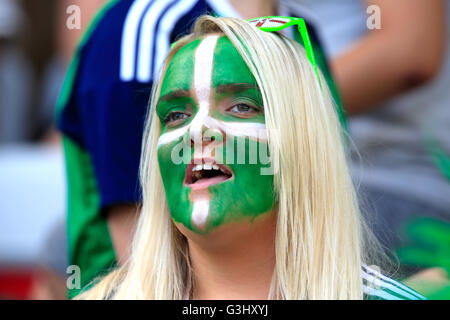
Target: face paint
208, 91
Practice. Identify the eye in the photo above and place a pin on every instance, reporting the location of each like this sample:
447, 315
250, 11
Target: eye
243, 109
175, 117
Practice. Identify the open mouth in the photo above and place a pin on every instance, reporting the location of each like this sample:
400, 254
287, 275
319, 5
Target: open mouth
205, 174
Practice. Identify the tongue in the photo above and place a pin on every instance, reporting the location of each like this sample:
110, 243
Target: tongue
211, 180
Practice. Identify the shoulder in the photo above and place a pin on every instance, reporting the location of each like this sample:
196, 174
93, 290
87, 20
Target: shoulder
137, 35
377, 286
108, 18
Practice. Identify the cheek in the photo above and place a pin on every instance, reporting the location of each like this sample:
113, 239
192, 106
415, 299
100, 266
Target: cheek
173, 174
172, 165
164, 153
251, 192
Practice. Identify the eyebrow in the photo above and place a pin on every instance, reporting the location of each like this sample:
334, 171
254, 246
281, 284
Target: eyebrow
235, 87
175, 94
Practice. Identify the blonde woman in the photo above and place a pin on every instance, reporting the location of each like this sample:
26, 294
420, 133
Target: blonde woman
220, 218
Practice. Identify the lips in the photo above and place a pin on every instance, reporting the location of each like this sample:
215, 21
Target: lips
201, 173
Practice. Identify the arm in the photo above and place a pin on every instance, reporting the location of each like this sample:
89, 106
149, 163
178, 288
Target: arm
121, 221
407, 51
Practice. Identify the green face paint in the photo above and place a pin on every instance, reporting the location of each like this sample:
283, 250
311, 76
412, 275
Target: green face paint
208, 91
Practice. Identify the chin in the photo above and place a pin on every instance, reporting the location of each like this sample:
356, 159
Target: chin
231, 232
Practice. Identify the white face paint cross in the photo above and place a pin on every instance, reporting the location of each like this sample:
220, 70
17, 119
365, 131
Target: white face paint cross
204, 56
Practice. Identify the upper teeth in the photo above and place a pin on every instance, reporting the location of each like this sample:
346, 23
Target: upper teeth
206, 166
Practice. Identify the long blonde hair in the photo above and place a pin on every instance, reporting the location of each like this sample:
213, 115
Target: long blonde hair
319, 234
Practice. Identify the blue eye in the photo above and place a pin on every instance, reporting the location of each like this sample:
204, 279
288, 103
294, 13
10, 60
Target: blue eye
175, 117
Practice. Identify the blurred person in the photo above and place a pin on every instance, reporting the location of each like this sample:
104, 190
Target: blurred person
101, 113
33, 237
394, 82
64, 41
428, 246
16, 77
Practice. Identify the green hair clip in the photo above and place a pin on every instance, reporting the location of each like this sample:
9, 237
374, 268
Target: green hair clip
277, 23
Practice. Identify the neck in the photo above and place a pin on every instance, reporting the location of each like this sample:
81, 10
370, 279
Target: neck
240, 268
255, 8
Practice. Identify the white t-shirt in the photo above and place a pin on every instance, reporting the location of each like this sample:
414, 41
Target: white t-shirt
391, 138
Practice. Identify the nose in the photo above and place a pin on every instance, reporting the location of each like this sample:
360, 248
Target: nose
204, 129
197, 132
204, 136
198, 126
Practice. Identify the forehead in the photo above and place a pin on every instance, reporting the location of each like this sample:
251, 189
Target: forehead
228, 67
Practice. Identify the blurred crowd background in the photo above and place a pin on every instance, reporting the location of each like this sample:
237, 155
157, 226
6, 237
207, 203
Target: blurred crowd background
35, 50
